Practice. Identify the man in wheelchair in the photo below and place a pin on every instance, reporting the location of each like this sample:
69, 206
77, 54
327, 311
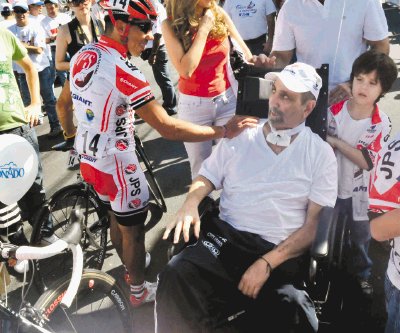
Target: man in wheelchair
249, 262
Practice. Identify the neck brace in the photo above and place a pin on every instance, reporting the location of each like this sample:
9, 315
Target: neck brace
283, 137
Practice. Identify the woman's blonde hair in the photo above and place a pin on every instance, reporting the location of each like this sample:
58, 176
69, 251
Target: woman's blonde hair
181, 13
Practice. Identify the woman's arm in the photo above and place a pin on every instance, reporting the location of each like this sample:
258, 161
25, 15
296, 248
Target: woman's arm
63, 38
187, 62
235, 34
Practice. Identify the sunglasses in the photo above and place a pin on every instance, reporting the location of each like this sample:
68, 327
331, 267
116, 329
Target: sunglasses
20, 11
144, 26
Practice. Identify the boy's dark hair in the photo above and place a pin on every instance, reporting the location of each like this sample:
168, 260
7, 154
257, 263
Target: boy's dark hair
386, 69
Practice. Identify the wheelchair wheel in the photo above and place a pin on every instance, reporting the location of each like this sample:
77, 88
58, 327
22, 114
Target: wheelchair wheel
94, 235
155, 191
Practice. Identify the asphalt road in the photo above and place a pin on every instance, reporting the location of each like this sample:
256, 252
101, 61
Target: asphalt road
173, 174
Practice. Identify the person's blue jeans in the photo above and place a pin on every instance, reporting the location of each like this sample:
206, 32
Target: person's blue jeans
392, 295
161, 75
358, 262
62, 75
46, 91
36, 196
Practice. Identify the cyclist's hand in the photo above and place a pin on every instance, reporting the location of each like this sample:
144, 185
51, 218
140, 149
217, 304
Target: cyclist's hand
237, 124
33, 113
341, 92
186, 216
263, 61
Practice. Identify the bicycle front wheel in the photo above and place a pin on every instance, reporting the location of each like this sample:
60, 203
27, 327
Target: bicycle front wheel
100, 306
94, 233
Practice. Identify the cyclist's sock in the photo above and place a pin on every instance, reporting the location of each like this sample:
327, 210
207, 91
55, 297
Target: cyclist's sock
137, 290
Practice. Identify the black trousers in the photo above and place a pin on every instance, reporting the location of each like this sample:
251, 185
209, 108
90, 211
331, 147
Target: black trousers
197, 291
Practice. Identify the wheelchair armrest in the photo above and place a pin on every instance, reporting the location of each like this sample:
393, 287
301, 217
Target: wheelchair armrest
321, 243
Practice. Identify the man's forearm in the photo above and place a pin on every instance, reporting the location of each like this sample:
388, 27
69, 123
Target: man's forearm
298, 242
200, 188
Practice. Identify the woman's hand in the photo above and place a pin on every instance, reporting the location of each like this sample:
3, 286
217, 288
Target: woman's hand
207, 21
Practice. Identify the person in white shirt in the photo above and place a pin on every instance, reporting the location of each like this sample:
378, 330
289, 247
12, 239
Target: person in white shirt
50, 24
35, 11
7, 15
275, 179
156, 54
335, 32
255, 20
32, 37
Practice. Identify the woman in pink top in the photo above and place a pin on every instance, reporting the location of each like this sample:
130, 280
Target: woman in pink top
196, 36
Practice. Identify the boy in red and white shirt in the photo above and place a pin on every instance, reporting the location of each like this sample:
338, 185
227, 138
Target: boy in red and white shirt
357, 130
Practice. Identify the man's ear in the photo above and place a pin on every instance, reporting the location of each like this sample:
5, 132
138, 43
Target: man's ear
120, 27
310, 105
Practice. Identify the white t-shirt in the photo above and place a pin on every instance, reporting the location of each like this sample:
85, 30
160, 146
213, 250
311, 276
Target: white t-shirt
6, 23
50, 26
350, 131
249, 16
161, 16
36, 19
34, 35
313, 30
265, 193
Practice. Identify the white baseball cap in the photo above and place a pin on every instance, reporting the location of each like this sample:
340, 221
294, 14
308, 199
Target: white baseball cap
6, 7
35, 2
20, 4
298, 77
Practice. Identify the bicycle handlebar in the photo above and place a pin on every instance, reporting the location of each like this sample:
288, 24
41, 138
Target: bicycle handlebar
70, 239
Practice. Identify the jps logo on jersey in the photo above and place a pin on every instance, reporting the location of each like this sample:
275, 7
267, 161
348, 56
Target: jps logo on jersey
122, 144
84, 68
120, 110
135, 203
130, 169
89, 114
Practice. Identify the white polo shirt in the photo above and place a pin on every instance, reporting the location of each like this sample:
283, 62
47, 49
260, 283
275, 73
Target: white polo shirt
314, 30
161, 16
265, 193
249, 16
50, 26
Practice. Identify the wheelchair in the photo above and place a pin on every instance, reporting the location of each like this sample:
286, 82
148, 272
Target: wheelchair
325, 274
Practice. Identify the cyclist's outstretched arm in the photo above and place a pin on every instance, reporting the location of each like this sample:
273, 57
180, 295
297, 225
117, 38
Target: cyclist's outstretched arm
176, 129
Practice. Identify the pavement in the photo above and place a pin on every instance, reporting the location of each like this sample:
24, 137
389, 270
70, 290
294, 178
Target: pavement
173, 174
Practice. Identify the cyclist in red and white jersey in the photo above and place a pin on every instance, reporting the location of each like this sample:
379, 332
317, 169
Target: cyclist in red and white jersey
107, 90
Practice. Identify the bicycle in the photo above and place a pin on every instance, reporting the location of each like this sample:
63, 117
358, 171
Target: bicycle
96, 221
90, 300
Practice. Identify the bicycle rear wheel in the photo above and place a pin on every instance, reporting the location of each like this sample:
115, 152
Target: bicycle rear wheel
94, 235
155, 191
100, 306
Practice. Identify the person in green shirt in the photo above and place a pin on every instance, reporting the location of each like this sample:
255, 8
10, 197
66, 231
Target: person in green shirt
20, 120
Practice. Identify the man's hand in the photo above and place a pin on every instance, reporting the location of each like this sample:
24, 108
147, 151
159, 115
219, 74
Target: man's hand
254, 278
32, 113
186, 216
341, 92
267, 47
237, 124
263, 61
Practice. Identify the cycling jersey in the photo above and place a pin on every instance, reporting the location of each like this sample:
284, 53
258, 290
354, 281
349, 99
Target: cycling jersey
385, 188
106, 89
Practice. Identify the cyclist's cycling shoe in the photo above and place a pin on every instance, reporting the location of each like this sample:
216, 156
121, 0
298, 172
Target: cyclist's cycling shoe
148, 296
127, 278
